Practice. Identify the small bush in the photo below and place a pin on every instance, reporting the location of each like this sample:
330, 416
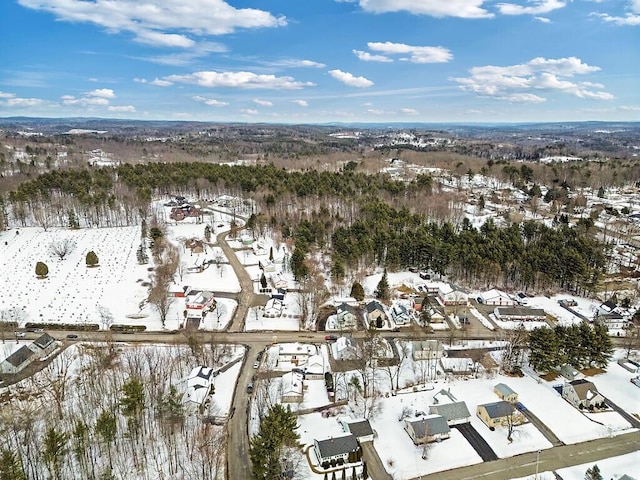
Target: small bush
84, 327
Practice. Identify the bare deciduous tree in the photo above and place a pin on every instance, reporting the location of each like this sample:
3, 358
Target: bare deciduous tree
62, 247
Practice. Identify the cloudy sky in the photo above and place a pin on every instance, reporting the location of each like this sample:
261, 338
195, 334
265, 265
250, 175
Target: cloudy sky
306, 61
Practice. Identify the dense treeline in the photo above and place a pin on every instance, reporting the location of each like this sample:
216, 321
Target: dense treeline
372, 232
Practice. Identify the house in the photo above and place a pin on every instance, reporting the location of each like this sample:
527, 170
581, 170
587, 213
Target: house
455, 413
400, 314
199, 383
199, 302
315, 368
294, 354
607, 307
433, 428
344, 349
361, 429
570, 372
499, 414
266, 266
419, 302
346, 316
273, 308
278, 282
520, 314
448, 296
292, 390
505, 393
613, 320
337, 450
582, 394
375, 313
43, 345
427, 350
17, 361
496, 297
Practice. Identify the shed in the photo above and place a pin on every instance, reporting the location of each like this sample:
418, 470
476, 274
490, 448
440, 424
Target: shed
505, 393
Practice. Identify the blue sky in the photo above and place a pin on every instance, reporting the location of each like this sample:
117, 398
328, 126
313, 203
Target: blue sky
309, 61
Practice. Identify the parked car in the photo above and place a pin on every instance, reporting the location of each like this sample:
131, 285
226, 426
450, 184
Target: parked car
521, 407
20, 334
72, 336
250, 388
330, 338
256, 364
298, 370
425, 276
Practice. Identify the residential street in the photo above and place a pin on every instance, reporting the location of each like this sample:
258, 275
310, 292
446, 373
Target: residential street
551, 459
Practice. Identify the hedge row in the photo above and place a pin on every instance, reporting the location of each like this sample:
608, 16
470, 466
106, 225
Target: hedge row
128, 328
84, 327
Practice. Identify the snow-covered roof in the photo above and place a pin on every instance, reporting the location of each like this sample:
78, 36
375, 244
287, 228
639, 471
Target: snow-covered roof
198, 385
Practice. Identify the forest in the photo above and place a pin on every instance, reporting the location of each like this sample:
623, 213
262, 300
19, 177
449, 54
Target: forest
349, 215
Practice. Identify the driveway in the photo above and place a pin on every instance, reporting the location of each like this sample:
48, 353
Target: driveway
478, 443
546, 431
375, 468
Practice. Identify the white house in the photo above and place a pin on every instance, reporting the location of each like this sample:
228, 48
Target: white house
346, 316
582, 394
400, 314
266, 266
199, 383
337, 450
359, 428
292, 388
315, 368
496, 298
344, 349
18, 360
448, 296
296, 354
427, 350
433, 428
273, 308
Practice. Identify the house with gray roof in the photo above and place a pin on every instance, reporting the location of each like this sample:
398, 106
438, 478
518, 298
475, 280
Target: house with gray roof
346, 316
376, 314
433, 428
17, 361
427, 349
582, 394
455, 413
520, 314
499, 414
361, 429
43, 345
505, 393
337, 450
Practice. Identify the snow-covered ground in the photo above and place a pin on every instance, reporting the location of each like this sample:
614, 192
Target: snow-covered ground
612, 468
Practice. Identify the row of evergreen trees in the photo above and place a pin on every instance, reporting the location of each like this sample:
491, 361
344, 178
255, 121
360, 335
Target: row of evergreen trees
581, 346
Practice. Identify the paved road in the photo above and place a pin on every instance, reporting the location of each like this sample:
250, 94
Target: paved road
478, 443
550, 460
375, 468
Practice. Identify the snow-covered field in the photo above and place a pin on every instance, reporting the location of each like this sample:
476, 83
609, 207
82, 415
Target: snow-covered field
117, 289
613, 468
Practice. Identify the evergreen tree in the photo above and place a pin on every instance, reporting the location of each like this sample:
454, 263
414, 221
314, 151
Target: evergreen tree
11, 466
382, 290
263, 281
207, 233
593, 473
357, 291
92, 259
54, 450
132, 404
73, 219
337, 269
543, 346
42, 270
277, 430
298, 267
602, 350
271, 254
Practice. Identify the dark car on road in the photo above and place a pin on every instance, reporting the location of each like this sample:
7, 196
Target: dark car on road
330, 338
72, 336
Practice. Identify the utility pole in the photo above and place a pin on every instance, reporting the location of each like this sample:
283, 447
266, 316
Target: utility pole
537, 462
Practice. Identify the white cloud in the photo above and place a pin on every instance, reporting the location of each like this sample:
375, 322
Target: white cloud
367, 57
160, 83
351, 80
249, 111
630, 20
263, 103
409, 111
155, 22
101, 92
517, 83
301, 103
210, 101
534, 7
416, 54
295, 63
543, 19
375, 111
84, 101
122, 109
434, 8
10, 100
238, 80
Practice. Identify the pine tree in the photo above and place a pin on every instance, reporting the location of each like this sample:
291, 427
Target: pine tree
207, 233
42, 270
11, 466
54, 451
92, 259
132, 404
277, 430
357, 291
593, 473
382, 290
271, 254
